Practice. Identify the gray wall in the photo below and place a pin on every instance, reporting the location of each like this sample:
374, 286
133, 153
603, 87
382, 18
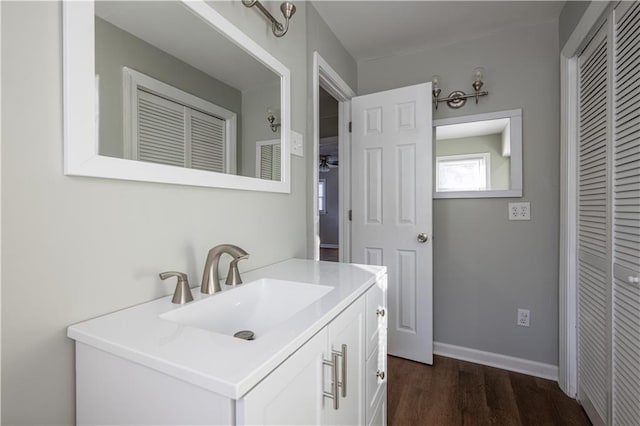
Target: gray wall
115, 49
75, 248
486, 267
255, 126
569, 18
500, 166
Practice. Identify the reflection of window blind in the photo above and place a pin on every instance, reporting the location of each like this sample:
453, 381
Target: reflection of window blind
174, 134
270, 162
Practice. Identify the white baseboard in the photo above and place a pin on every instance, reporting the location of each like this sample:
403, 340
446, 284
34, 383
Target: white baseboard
333, 246
519, 365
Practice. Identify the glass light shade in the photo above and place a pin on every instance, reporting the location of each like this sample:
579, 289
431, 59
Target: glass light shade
478, 74
435, 81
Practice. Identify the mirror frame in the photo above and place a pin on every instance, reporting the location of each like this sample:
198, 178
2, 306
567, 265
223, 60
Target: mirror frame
515, 178
81, 155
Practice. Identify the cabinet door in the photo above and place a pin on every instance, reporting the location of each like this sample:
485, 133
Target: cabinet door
292, 393
346, 336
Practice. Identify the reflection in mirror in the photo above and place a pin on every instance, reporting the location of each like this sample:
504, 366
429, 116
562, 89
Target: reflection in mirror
478, 156
188, 97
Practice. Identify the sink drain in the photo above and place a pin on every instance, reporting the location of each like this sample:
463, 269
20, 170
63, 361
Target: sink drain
245, 334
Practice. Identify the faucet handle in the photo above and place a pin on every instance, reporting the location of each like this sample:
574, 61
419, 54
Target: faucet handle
182, 293
233, 277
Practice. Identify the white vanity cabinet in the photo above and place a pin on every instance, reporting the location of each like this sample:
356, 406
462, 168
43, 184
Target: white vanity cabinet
302, 390
330, 372
299, 391
375, 374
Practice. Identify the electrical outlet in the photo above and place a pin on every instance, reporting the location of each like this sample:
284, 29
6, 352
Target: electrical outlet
520, 211
523, 317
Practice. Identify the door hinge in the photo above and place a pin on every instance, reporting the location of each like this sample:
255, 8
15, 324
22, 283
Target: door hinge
350, 124
350, 214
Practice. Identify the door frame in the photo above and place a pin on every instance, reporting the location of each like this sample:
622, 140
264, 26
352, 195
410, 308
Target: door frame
326, 77
568, 275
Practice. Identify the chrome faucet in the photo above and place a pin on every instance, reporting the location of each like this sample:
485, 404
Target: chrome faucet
210, 278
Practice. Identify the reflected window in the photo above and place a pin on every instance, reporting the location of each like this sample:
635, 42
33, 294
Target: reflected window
468, 172
322, 196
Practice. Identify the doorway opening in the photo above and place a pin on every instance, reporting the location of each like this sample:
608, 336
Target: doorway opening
331, 135
328, 178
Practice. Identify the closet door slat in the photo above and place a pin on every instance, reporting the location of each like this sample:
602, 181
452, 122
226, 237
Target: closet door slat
626, 218
593, 228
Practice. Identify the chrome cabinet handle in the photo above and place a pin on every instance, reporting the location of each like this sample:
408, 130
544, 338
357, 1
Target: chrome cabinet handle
343, 355
380, 312
422, 237
380, 374
334, 380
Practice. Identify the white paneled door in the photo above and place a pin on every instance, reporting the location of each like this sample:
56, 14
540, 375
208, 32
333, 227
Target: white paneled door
392, 208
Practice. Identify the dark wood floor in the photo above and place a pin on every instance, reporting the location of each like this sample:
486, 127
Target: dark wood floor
453, 392
329, 254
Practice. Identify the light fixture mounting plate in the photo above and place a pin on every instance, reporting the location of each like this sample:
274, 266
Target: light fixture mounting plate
457, 99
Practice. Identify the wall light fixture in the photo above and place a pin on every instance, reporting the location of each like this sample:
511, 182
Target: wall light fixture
458, 98
271, 118
287, 8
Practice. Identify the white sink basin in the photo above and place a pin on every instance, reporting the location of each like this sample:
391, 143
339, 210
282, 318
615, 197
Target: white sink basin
257, 306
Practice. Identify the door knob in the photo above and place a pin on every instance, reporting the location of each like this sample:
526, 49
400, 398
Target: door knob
423, 238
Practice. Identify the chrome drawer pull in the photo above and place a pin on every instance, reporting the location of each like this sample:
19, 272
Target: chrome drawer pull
343, 354
334, 381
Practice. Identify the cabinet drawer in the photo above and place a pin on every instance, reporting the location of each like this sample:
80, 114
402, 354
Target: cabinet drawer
375, 381
376, 314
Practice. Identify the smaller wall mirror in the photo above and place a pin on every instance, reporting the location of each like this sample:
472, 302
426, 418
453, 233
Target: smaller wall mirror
478, 156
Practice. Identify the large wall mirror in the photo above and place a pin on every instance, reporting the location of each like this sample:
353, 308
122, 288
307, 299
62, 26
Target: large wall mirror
478, 156
170, 91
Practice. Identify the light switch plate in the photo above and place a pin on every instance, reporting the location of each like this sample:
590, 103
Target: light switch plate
297, 144
520, 211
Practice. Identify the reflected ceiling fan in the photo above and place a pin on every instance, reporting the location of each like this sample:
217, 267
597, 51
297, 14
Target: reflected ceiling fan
327, 162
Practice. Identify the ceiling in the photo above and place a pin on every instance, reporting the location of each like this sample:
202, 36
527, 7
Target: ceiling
374, 29
190, 39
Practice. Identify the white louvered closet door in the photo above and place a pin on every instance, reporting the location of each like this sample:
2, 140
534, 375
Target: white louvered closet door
626, 217
171, 133
161, 130
593, 230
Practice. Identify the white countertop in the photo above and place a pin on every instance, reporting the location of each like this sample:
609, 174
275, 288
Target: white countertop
223, 364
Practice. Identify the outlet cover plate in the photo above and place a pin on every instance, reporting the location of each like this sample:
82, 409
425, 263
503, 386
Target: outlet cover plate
297, 144
520, 211
523, 317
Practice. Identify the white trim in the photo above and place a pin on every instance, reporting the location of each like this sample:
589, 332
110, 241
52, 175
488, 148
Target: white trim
505, 362
568, 292
0, 219
81, 155
324, 75
515, 190
568, 304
